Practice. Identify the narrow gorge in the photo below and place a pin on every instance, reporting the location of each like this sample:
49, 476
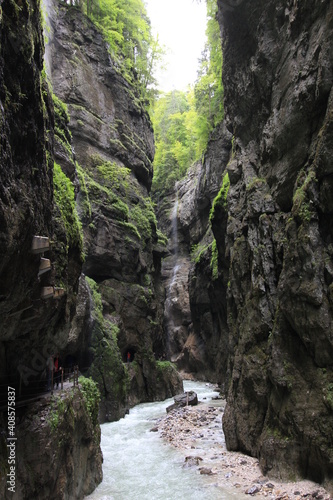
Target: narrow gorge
226, 277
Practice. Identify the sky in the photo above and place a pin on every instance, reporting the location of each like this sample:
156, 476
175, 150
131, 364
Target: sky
181, 26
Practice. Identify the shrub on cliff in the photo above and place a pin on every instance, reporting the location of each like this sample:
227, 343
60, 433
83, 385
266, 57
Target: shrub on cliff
91, 396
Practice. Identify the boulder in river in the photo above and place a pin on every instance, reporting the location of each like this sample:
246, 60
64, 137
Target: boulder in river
192, 461
188, 398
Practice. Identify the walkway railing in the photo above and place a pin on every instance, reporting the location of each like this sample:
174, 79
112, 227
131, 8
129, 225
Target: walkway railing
37, 388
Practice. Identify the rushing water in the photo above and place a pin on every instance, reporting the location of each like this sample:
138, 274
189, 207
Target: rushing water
171, 288
139, 465
174, 228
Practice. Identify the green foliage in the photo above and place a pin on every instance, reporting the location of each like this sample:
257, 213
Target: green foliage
111, 174
255, 182
127, 30
107, 368
220, 201
57, 410
110, 185
208, 89
329, 396
162, 238
106, 183
61, 130
97, 312
91, 396
164, 366
198, 251
132, 228
144, 218
164, 370
60, 111
174, 118
201, 251
65, 199
85, 205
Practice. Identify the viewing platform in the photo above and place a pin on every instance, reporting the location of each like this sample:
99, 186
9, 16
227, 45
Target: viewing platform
49, 292
40, 244
44, 266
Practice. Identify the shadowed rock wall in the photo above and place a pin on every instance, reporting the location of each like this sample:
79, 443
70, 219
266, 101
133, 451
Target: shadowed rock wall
261, 274
28, 208
33, 327
277, 74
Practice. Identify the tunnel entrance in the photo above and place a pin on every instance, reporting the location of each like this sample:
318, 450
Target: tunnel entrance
129, 354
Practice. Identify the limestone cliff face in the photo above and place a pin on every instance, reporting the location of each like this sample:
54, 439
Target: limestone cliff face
39, 278
34, 322
114, 148
278, 67
260, 280
26, 180
57, 448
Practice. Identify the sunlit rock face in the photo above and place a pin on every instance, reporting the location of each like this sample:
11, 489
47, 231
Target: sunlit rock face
113, 146
277, 73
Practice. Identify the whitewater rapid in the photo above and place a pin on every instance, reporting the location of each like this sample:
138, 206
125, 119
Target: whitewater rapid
139, 465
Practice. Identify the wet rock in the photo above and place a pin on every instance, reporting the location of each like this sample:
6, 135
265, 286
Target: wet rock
69, 441
192, 461
253, 490
206, 470
189, 398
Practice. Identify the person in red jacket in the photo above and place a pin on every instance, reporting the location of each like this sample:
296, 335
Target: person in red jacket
57, 370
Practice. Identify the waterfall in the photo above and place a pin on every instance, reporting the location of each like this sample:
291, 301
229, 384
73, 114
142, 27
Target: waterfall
174, 229
171, 288
50, 15
175, 270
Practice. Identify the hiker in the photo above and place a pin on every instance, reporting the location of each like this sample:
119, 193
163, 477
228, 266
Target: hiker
57, 370
128, 357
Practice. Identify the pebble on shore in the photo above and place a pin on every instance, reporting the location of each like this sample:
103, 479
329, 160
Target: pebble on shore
199, 428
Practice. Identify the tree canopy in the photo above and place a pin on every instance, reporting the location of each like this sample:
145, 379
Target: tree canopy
174, 118
183, 121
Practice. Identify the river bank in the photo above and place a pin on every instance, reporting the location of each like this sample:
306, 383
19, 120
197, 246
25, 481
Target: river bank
196, 431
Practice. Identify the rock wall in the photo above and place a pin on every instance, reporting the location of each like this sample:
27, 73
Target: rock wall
57, 448
26, 181
33, 326
114, 148
277, 74
195, 277
260, 280
37, 303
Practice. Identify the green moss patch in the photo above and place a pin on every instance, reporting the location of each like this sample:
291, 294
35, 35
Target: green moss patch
65, 200
220, 201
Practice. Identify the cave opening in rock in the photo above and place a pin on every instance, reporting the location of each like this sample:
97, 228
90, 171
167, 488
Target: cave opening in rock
129, 354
